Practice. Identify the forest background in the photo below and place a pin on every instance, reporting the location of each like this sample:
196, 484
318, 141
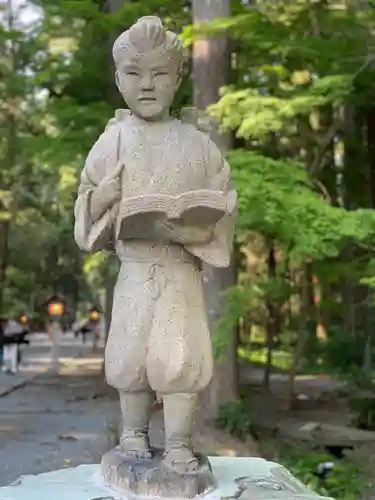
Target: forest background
291, 85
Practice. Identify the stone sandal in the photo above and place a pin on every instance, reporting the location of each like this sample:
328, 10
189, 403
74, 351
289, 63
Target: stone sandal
183, 462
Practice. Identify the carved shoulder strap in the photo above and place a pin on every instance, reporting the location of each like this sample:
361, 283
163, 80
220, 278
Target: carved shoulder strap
199, 119
120, 115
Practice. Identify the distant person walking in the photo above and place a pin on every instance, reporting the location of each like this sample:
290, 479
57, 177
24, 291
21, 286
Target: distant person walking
82, 328
14, 334
92, 325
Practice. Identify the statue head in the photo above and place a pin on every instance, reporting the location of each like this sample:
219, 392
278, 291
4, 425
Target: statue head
148, 63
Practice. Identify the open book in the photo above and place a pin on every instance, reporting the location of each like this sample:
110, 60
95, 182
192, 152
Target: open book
138, 215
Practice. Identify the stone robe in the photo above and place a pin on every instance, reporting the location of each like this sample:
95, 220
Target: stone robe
159, 334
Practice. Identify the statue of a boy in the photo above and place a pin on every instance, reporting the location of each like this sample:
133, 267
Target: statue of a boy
159, 339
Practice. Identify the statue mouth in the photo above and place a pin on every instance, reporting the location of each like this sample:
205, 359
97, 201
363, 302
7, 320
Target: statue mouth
147, 99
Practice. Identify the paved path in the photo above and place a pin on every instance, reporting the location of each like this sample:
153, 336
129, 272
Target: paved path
312, 386
54, 421
36, 358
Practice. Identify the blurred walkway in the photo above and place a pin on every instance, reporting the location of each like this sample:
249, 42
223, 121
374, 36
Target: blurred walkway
36, 359
54, 421
313, 385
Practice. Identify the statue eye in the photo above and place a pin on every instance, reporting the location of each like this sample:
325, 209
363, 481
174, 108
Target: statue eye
161, 73
132, 73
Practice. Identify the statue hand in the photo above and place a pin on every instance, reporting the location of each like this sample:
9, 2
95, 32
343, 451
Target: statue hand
107, 193
110, 186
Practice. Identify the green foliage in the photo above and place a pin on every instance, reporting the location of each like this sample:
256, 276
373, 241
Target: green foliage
297, 63
235, 418
341, 353
56, 88
241, 301
238, 303
345, 482
277, 199
364, 407
281, 359
254, 115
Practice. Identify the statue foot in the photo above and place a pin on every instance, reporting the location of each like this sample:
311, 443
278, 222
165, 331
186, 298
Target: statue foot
135, 447
156, 479
181, 460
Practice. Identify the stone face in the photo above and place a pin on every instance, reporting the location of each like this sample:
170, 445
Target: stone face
150, 477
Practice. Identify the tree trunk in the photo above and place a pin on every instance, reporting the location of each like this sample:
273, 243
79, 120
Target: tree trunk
211, 61
4, 232
273, 322
301, 339
10, 161
328, 173
113, 98
113, 95
211, 68
356, 194
367, 355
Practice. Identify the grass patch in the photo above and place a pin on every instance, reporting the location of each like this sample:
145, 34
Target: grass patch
345, 482
280, 359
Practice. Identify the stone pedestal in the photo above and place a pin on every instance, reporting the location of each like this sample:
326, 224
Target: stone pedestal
244, 478
150, 477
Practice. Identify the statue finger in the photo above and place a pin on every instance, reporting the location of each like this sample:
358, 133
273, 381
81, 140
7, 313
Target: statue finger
117, 171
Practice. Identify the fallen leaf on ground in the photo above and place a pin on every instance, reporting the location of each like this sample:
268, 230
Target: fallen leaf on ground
17, 481
68, 437
77, 398
103, 498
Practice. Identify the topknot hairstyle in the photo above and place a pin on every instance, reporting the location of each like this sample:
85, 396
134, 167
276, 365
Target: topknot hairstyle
147, 34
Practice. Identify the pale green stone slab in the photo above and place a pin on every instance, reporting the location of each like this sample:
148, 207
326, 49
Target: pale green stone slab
84, 483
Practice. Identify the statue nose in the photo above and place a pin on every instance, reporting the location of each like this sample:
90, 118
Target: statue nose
147, 82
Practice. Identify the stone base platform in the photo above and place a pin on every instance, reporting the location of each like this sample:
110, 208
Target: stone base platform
150, 477
235, 477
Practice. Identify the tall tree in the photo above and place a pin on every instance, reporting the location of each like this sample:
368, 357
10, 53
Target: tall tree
211, 71
9, 149
113, 98
289, 103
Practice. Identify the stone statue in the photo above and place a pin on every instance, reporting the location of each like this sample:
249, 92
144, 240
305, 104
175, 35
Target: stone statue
157, 191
